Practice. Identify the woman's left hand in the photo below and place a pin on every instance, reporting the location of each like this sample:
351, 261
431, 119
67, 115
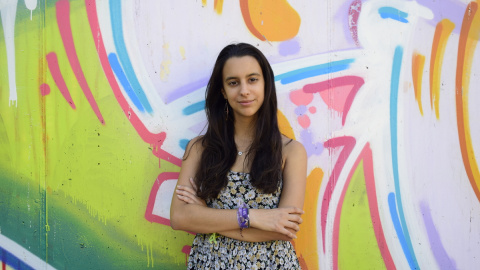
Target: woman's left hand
189, 194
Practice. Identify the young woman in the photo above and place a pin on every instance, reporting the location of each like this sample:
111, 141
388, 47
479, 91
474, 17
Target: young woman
242, 184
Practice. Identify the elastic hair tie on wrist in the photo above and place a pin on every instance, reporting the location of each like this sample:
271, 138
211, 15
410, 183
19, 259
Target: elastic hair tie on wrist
213, 238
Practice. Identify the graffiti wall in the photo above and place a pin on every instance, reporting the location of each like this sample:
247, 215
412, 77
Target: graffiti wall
98, 99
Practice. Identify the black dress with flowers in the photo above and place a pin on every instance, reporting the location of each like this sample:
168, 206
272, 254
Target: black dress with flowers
228, 253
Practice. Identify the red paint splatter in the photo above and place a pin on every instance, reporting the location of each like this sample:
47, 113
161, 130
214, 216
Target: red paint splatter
353, 14
334, 85
44, 89
186, 249
299, 97
58, 78
304, 121
63, 21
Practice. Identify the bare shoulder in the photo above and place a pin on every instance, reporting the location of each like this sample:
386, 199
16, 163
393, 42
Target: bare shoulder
194, 148
292, 148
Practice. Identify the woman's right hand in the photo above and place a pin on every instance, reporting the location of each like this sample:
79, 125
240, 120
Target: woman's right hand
189, 194
282, 220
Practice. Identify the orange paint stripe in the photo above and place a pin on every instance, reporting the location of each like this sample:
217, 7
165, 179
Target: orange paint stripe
442, 33
306, 243
218, 6
248, 20
418, 62
469, 35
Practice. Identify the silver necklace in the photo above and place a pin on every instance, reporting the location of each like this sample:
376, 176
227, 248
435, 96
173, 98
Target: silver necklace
240, 153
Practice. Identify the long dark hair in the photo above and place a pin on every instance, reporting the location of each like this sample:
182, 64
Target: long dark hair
219, 149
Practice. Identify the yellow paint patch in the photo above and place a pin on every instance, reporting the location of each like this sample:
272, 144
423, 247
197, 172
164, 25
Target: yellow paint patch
442, 33
166, 62
182, 52
276, 20
306, 243
284, 126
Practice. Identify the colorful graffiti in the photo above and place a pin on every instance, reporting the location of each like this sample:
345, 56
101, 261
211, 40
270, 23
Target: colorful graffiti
98, 99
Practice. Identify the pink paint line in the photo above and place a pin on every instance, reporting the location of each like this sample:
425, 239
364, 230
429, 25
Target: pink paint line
63, 21
154, 139
348, 143
58, 78
373, 204
355, 81
153, 195
366, 156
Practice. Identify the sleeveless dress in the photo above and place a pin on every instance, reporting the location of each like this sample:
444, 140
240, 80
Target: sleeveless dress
228, 253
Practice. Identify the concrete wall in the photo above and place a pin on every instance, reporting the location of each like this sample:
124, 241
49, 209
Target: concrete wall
99, 98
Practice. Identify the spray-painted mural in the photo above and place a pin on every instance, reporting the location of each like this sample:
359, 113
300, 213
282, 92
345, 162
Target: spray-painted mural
99, 98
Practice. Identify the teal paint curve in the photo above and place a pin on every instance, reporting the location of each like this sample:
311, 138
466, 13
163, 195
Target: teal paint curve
395, 80
118, 38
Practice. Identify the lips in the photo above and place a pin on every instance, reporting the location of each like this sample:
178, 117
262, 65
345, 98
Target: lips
246, 102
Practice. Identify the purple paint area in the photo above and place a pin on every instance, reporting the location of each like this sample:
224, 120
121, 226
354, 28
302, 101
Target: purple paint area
185, 90
446, 9
439, 252
311, 147
289, 47
300, 110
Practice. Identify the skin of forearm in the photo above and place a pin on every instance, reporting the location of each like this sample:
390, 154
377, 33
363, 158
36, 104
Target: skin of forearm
200, 219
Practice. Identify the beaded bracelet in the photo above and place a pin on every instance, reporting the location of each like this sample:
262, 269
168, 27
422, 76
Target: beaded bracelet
243, 218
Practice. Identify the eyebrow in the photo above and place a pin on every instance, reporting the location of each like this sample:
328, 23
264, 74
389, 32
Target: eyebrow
249, 75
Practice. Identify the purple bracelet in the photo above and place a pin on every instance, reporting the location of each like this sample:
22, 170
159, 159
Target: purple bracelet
242, 217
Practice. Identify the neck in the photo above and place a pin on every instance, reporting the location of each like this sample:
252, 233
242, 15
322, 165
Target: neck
244, 132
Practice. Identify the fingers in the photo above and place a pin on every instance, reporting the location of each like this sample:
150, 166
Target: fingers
186, 194
289, 233
193, 184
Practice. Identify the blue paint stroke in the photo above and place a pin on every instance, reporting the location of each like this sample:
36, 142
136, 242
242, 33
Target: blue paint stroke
183, 143
116, 20
393, 13
112, 58
439, 252
195, 107
398, 228
186, 89
12, 261
395, 80
303, 73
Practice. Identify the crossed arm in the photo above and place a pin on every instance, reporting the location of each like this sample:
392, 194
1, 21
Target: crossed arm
189, 212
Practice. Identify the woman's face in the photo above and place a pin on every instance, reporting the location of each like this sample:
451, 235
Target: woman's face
243, 86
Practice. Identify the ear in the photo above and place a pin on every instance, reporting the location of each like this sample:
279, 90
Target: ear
224, 94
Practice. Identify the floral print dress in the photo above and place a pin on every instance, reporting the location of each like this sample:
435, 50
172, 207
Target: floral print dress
228, 253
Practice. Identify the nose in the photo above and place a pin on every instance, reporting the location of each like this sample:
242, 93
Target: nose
244, 90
